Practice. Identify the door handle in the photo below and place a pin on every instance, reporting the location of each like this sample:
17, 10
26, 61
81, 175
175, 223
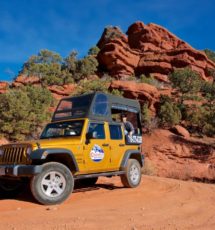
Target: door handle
121, 145
105, 145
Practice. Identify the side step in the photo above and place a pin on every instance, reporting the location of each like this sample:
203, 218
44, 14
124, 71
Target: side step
116, 173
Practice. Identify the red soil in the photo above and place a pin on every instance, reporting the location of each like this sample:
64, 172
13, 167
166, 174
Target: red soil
158, 203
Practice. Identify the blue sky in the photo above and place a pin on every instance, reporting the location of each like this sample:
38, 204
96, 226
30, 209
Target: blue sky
27, 26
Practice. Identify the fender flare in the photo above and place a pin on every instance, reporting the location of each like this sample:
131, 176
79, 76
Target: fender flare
132, 154
42, 154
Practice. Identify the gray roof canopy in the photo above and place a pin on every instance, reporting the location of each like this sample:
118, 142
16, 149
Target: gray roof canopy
96, 106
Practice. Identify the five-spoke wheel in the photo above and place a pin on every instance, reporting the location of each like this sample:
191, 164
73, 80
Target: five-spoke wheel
53, 185
132, 176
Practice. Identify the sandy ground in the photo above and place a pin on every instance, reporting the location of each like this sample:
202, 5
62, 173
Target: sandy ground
158, 203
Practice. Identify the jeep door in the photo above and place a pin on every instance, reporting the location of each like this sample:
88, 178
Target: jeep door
117, 145
96, 149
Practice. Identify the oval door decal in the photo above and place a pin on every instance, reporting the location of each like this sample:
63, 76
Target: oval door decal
97, 153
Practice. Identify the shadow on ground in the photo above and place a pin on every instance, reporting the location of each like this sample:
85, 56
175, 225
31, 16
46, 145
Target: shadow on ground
26, 195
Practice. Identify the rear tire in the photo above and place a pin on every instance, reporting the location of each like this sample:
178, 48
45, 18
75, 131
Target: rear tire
132, 177
53, 185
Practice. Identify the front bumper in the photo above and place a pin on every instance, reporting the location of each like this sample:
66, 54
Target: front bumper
20, 170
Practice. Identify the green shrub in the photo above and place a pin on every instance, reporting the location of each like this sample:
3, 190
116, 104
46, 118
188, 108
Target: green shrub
169, 113
149, 123
69, 68
209, 130
209, 123
195, 117
86, 66
112, 32
131, 78
46, 65
210, 54
23, 112
88, 86
186, 81
94, 50
211, 73
145, 114
208, 89
148, 80
116, 92
201, 119
151, 81
96, 85
76, 69
52, 69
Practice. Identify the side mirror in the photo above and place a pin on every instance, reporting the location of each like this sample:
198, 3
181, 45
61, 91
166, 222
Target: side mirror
89, 135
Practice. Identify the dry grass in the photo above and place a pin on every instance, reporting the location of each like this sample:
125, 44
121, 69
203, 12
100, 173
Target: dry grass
148, 168
183, 173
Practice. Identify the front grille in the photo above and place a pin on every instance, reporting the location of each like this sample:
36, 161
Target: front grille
14, 155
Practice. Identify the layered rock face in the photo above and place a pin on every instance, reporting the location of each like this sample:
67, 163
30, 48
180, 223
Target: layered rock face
116, 56
150, 50
178, 157
139, 91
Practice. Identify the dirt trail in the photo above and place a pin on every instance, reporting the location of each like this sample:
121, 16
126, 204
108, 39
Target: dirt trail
159, 203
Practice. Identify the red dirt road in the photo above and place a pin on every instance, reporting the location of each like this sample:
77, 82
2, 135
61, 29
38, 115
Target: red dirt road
158, 203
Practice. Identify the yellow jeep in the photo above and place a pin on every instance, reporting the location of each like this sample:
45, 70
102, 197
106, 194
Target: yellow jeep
85, 139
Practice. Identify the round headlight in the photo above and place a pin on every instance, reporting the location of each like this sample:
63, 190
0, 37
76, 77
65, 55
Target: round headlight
28, 151
1, 152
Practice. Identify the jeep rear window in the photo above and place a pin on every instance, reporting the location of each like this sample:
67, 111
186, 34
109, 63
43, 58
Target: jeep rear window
63, 129
100, 107
73, 107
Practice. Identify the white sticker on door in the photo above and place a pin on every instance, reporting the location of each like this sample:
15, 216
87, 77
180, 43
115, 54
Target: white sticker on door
97, 153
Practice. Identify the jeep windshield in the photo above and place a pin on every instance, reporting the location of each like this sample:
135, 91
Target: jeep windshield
63, 129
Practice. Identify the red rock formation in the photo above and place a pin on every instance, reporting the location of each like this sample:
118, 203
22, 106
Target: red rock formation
61, 91
116, 55
140, 91
149, 49
57, 91
23, 80
3, 87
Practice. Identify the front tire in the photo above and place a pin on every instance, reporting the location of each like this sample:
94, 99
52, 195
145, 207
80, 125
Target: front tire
132, 176
53, 185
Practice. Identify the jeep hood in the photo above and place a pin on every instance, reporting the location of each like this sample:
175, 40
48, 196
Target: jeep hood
50, 143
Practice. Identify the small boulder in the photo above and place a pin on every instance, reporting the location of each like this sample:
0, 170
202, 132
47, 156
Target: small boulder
181, 131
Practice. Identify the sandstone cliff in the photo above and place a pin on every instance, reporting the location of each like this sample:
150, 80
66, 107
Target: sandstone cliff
150, 50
